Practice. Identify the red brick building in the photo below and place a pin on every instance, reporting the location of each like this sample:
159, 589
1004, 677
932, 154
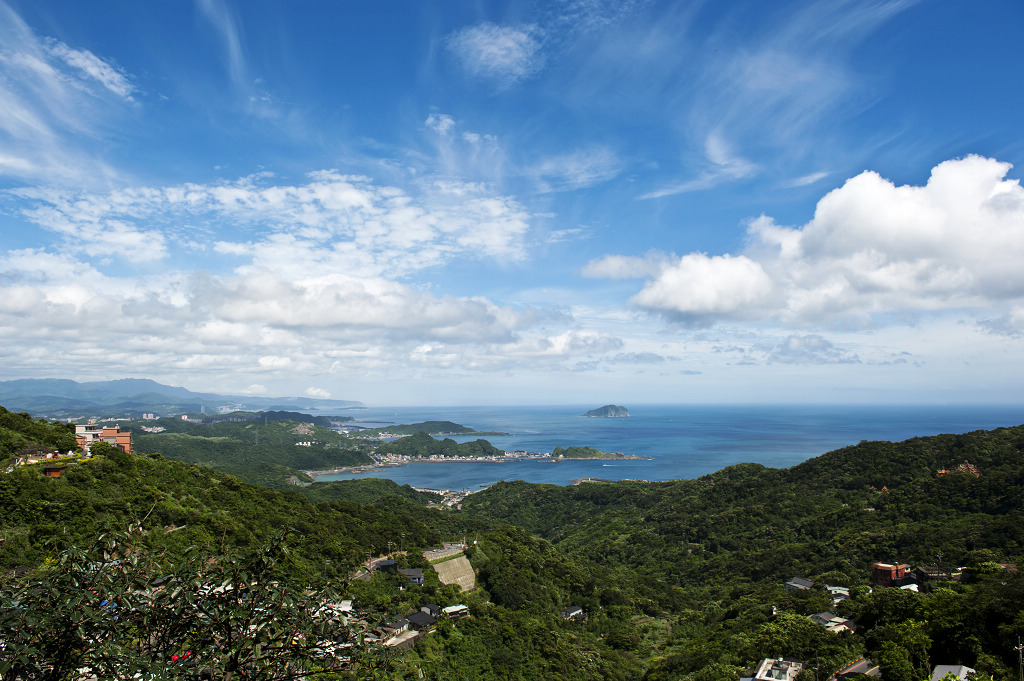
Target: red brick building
890, 574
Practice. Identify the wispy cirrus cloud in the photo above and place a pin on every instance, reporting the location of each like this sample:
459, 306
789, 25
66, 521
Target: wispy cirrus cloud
107, 75
576, 170
628, 267
805, 180
55, 101
502, 55
222, 20
722, 165
763, 102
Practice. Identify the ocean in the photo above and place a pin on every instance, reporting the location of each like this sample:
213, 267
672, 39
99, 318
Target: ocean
683, 441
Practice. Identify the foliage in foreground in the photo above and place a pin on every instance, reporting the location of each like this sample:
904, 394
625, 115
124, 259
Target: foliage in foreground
115, 611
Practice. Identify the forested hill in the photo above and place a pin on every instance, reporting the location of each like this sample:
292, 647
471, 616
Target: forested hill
263, 452
429, 427
725, 543
20, 432
677, 580
184, 505
842, 510
421, 445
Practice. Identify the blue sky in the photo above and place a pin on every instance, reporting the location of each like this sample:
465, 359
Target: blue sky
517, 202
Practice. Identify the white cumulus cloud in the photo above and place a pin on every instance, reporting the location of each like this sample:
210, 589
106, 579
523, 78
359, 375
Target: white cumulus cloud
699, 285
873, 251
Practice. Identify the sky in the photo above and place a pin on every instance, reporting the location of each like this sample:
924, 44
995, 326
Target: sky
513, 202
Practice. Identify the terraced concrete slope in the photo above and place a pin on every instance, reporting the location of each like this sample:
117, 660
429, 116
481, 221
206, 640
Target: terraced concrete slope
456, 570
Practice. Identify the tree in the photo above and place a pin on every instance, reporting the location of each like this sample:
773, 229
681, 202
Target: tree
110, 611
894, 662
102, 448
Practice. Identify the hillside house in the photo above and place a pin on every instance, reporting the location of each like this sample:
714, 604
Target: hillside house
456, 611
421, 620
573, 612
961, 672
933, 574
890, 574
36, 454
781, 669
837, 593
799, 584
386, 566
396, 627
85, 435
833, 622
414, 575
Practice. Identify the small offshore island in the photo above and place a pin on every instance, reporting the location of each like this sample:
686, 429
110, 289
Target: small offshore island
608, 411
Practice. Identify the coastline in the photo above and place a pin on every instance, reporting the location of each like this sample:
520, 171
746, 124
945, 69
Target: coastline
686, 442
545, 458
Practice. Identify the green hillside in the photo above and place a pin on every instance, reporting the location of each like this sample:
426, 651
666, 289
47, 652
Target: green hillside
724, 544
676, 580
21, 435
421, 445
430, 427
267, 452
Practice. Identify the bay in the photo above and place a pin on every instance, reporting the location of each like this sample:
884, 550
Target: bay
683, 441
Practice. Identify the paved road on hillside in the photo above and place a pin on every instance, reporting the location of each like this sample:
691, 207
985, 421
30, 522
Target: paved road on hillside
446, 551
861, 666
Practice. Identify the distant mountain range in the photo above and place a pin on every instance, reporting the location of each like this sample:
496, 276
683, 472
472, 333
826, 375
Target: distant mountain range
57, 398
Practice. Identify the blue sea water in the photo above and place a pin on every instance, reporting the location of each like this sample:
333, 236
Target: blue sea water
683, 441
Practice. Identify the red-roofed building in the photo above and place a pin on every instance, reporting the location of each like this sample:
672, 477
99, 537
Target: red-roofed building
54, 471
